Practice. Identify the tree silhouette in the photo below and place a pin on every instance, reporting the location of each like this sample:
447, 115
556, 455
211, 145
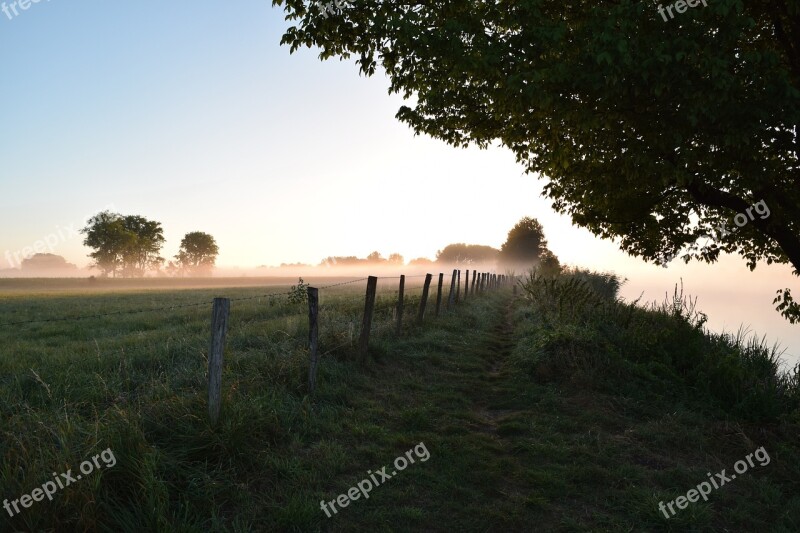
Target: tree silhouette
125, 245
461, 253
197, 254
525, 243
646, 132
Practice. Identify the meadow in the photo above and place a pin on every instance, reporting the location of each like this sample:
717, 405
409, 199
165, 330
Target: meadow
553, 407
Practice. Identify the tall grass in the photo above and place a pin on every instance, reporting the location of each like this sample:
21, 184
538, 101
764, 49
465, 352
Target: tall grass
579, 329
138, 384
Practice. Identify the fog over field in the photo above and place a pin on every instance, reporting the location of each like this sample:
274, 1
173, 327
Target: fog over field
239, 250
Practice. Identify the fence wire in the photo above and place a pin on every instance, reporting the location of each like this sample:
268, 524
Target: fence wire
270, 297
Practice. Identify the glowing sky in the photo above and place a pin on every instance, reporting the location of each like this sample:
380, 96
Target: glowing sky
191, 113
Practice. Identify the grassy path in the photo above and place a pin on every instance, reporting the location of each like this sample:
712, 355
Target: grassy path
468, 413
511, 454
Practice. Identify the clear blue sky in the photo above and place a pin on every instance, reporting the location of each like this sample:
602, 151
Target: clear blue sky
191, 113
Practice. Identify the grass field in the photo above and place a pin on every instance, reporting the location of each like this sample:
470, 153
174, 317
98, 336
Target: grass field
558, 409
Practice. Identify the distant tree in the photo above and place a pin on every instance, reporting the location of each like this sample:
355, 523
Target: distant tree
106, 234
420, 261
396, 259
40, 262
143, 254
466, 254
337, 260
124, 245
525, 243
549, 263
197, 254
172, 269
375, 257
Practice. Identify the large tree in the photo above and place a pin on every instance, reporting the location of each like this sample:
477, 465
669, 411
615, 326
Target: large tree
143, 253
649, 131
124, 245
198, 253
526, 245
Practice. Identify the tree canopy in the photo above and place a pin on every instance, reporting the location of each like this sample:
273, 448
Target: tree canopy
650, 132
198, 253
125, 245
374, 258
460, 253
526, 246
45, 261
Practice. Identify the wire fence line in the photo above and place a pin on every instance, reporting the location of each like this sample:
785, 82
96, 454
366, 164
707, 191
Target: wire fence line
174, 306
188, 305
352, 323
136, 311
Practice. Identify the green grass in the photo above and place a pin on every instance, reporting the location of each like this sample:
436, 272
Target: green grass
537, 417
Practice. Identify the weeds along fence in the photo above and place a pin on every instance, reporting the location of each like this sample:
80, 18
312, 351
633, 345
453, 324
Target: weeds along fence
338, 321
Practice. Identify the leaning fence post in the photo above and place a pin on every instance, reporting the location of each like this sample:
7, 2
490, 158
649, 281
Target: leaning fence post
313, 336
366, 323
474, 277
400, 305
219, 329
452, 295
439, 294
424, 301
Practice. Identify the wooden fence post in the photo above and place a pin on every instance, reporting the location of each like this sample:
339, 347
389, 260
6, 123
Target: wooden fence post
366, 323
474, 277
452, 296
400, 303
439, 294
466, 284
424, 301
458, 286
220, 311
313, 336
